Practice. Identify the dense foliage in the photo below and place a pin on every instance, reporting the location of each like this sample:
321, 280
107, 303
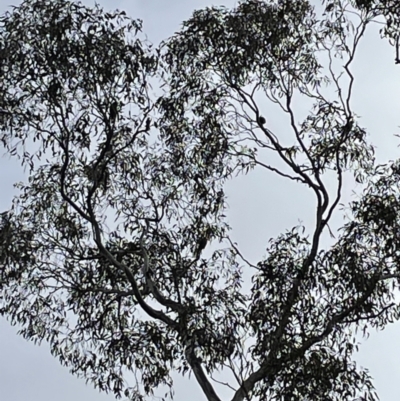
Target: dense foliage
128, 148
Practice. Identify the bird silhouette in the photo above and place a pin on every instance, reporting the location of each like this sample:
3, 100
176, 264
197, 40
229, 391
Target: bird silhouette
201, 244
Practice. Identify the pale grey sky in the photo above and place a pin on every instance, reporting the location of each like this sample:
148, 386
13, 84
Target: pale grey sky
261, 206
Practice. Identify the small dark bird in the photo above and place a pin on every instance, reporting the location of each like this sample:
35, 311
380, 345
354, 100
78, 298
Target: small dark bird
201, 244
54, 89
329, 7
113, 111
148, 122
261, 120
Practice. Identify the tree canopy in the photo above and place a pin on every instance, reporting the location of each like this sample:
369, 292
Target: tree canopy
128, 148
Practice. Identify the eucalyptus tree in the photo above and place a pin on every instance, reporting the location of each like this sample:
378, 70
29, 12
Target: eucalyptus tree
128, 150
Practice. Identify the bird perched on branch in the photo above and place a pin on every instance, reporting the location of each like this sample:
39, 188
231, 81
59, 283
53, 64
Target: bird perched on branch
148, 122
261, 120
201, 244
114, 109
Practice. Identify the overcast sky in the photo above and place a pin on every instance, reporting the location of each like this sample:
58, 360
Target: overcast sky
261, 206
